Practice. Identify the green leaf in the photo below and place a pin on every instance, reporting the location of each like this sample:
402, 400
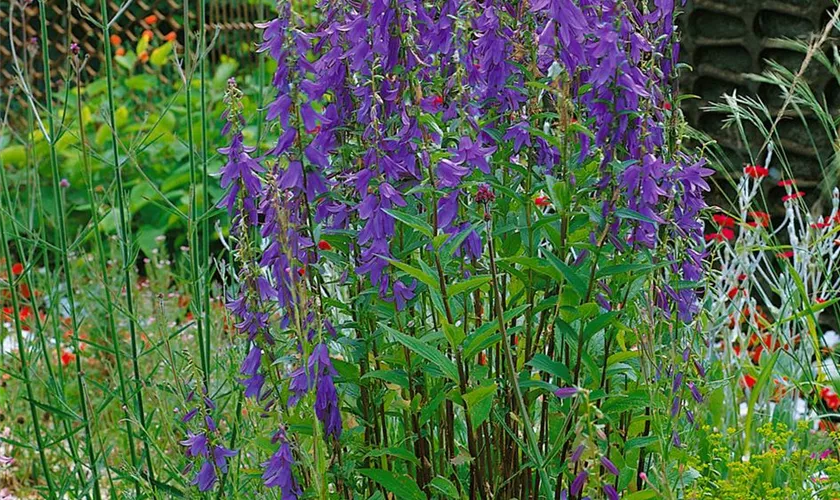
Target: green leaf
421, 276
479, 402
626, 213
445, 487
468, 285
578, 283
394, 452
402, 486
763, 380
411, 220
390, 376
545, 364
427, 352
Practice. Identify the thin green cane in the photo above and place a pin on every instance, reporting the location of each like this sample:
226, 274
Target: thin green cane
62, 241
124, 233
103, 268
193, 236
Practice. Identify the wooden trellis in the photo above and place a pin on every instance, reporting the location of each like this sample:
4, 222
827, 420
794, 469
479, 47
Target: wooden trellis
70, 21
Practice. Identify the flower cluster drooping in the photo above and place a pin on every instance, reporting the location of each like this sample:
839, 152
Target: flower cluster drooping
207, 454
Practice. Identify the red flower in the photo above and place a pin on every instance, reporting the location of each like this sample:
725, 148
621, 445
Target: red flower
820, 300
667, 106
756, 171
482, 359
723, 220
832, 400
67, 357
748, 381
301, 271
542, 201
17, 268
793, 196
715, 237
787, 182
785, 255
437, 100
732, 292
324, 245
742, 277
820, 225
728, 233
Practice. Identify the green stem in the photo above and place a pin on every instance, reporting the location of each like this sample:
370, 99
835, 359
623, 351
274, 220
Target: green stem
103, 268
124, 230
62, 241
24, 364
193, 216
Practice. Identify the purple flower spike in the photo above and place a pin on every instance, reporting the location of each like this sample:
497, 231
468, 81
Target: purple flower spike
277, 471
577, 484
206, 477
695, 392
577, 453
611, 468
196, 445
610, 492
566, 392
220, 456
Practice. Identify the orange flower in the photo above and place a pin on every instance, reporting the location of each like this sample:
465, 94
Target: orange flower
171, 36
120, 51
151, 19
116, 40
482, 359
148, 34
144, 57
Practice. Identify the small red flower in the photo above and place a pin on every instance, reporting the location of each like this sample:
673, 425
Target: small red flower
667, 106
756, 171
786, 182
785, 255
437, 100
482, 359
314, 130
723, 220
748, 381
542, 201
301, 271
67, 357
742, 277
151, 19
820, 300
793, 196
832, 400
728, 234
732, 292
715, 237
820, 225
324, 245
17, 268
